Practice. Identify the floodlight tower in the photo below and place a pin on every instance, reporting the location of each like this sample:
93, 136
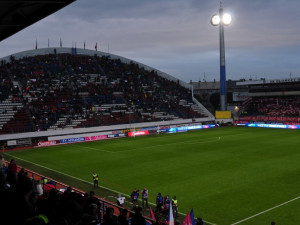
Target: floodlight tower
220, 20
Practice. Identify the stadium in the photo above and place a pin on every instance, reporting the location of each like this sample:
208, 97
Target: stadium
84, 134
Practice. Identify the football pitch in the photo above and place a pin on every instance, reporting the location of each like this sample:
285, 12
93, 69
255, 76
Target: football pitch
234, 175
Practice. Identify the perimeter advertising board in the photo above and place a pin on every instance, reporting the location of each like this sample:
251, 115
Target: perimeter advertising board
138, 133
11, 143
278, 126
183, 129
46, 143
72, 140
96, 138
239, 96
223, 114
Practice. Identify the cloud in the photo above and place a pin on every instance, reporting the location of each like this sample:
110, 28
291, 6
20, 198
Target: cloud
176, 35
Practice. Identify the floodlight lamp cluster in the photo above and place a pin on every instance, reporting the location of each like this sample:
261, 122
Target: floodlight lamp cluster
216, 19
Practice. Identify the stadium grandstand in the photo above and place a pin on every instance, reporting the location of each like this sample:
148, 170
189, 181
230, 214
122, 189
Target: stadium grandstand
263, 101
50, 89
270, 101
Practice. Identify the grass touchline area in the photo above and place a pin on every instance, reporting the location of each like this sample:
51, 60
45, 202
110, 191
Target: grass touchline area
116, 192
267, 210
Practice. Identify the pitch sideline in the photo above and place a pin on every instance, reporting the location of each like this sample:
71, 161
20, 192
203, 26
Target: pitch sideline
267, 210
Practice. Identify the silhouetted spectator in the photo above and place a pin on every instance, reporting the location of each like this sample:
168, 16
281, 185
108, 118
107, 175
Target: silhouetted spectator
122, 218
138, 218
109, 218
200, 221
12, 173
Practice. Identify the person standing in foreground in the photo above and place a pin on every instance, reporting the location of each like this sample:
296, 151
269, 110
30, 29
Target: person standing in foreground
12, 171
2, 162
120, 200
175, 206
134, 198
159, 202
167, 203
95, 178
145, 197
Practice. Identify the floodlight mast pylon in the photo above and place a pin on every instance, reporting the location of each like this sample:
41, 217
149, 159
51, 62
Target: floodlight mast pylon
223, 97
220, 22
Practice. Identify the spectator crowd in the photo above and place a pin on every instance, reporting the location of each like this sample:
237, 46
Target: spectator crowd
91, 90
284, 106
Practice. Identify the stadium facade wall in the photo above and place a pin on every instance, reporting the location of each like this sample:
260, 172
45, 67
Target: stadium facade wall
263, 81
277, 93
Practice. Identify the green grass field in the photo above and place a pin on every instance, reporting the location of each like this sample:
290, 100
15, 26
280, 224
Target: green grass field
233, 175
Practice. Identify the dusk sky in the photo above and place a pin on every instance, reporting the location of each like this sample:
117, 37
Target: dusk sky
176, 37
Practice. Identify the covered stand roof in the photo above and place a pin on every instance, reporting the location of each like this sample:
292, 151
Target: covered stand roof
15, 15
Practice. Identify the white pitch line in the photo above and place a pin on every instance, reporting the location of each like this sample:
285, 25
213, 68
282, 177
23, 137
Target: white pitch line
65, 174
80, 146
250, 217
152, 146
98, 149
76, 178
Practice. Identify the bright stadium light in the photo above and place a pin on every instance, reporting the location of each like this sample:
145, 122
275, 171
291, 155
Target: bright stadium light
220, 20
215, 20
227, 19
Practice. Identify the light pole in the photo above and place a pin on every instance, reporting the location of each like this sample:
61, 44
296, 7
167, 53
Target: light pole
220, 20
